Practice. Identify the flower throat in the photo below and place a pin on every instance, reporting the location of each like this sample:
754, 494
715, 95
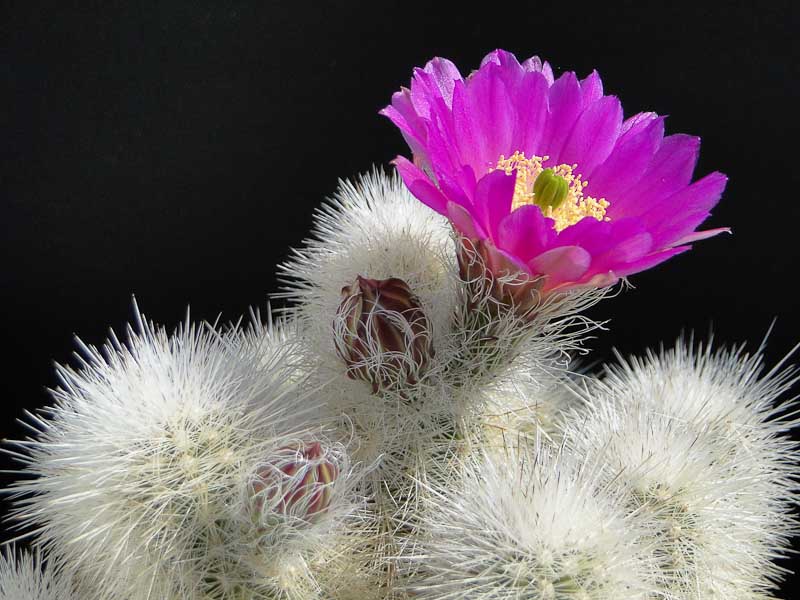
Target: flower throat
556, 190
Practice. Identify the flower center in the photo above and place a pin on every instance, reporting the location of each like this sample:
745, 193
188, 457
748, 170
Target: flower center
556, 190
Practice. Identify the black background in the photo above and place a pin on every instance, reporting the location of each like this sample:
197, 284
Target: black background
176, 151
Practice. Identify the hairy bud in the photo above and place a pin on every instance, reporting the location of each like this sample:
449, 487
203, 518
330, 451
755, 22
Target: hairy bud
382, 333
296, 481
488, 272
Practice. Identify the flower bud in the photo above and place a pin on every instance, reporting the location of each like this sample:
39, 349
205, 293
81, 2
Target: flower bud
296, 481
489, 272
382, 333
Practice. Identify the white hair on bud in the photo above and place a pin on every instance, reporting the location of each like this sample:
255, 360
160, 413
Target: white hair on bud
532, 523
141, 469
491, 339
25, 576
374, 228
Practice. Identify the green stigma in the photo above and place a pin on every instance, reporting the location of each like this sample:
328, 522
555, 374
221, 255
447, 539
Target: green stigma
550, 189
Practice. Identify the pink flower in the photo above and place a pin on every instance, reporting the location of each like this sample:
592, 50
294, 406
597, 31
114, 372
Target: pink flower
544, 177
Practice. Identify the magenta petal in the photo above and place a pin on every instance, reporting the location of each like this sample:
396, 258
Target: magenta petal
526, 232
493, 197
599, 280
396, 117
650, 261
678, 215
637, 123
533, 64
670, 170
469, 137
536, 65
628, 250
626, 164
531, 107
702, 195
565, 263
600, 237
547, 71
462, 220
623, 252
442, 150
502, 58
594, 135
401, 112
506, 67
701, 235
500, 262
423, 89
444, 74
591, 88
459, 186
565, 105
492, 112
420, 186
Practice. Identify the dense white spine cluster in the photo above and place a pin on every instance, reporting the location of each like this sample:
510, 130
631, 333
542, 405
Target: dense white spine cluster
24, 576
410, 426
529, 523
697, 439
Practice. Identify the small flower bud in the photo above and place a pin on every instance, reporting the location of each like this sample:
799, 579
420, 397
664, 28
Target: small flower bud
382, 333
296, 481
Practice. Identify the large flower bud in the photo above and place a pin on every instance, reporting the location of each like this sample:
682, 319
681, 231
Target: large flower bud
382, 333
489, 272
296, 481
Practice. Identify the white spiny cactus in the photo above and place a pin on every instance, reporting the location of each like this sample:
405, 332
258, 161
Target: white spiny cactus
145, 468
411, 425
531, 523
698, 441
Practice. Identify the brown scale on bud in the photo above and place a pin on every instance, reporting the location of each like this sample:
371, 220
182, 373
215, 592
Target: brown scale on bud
296, 481
382, 333
488, 272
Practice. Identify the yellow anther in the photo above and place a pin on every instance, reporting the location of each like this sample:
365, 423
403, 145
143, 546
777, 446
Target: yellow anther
574, 207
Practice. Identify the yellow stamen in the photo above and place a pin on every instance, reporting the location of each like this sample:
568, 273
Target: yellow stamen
575, 207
